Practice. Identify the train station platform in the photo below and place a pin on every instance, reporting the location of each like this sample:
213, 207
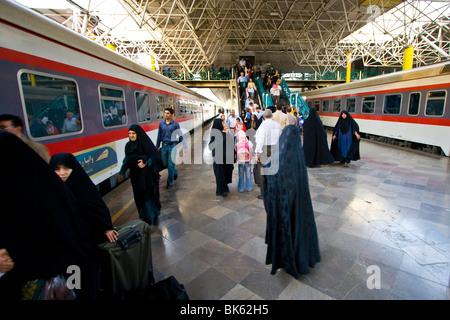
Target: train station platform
383, 225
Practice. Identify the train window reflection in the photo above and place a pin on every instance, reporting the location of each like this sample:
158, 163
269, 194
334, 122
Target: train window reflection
172, 105
337, 105
435, 103
351, 104
51, 104
392, 103
112, 104
142, 106
368, 104
414, 104
182, 107
160, 107
317, 105
326, 105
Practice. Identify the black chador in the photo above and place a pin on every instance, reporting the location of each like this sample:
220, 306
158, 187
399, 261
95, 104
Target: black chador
40, 222
291, 234
145, 181
223, 155
315, 144
93, 209
345, 147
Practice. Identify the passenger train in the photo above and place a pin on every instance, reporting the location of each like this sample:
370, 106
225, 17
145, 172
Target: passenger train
50, 73
411, 106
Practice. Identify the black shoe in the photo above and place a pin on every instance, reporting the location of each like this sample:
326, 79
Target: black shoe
342, 162
175, 176
260, 197
169, 186
225, 194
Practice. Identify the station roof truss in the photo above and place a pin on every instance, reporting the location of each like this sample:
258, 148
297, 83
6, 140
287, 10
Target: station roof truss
314, 34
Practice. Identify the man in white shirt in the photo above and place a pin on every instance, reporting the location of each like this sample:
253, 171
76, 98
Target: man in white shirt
231, 121
70, 123
266, 139
248, 101
280, 117
259, 112
275, 92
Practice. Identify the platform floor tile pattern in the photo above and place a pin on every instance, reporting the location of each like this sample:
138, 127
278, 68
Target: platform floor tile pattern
387, 214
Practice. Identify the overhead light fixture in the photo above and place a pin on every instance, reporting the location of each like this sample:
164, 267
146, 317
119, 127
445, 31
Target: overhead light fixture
274, 14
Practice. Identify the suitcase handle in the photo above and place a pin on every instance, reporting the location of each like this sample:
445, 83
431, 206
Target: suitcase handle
130, 238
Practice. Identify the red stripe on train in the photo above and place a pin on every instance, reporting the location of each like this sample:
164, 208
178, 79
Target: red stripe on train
407, 89
412, 119
84, 143
24, 58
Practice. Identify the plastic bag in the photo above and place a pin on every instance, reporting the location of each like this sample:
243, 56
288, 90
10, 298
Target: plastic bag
56, 289
51, 289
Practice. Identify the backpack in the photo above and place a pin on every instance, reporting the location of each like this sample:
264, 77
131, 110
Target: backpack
243, 152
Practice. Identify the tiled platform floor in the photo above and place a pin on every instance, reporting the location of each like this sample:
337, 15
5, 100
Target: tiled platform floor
391, 209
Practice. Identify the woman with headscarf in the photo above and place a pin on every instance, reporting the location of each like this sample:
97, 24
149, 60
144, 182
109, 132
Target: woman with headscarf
41, 227
221, 145
345, 141
315, 144
143, 160
93, 209
291, 234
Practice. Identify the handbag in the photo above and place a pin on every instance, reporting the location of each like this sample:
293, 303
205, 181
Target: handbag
256, 175
167, 289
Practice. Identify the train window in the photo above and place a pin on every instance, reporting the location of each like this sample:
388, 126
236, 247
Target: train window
435, 103
160, 107
317, 105
183, 107
112, 103
368, 104
51, 104
172, 105
142, 106
325, 105
414, 103
392, 103
337, 105
351, 104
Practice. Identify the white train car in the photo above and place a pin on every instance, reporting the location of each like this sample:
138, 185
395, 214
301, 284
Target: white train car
48, 72
411, 106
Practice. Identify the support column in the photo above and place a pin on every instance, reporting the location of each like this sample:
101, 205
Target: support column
408, 58
153, 62
110, 46
349, 67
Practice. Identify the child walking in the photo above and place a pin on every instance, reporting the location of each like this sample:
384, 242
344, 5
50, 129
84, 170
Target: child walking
244, 156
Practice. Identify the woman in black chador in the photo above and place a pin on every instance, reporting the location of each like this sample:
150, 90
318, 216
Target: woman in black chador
93, 209
291, 234
41, 227
345, 140
143, 160
223, 156
315, 144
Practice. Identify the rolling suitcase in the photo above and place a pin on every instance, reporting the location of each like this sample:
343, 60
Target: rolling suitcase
127, 263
